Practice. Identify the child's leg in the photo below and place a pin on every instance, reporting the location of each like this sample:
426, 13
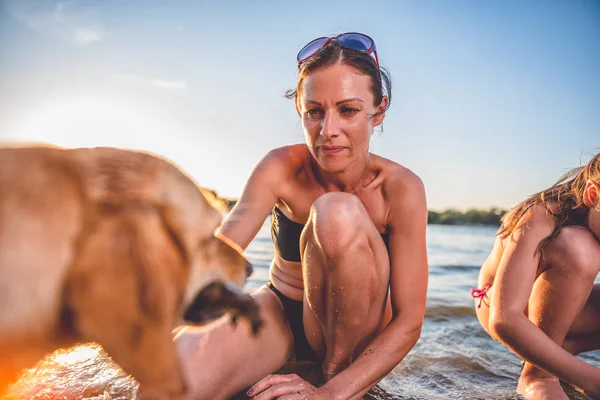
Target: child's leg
570, 265
584, 334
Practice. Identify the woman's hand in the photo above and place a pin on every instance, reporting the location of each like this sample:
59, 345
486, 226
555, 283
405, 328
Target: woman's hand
286, 387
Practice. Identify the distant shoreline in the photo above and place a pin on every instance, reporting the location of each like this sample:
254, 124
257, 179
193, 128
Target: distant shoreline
473, 216
451, 216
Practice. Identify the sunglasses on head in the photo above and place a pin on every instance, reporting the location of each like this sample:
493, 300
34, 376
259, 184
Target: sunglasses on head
350, 40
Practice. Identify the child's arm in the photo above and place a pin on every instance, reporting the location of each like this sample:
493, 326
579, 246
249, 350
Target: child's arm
513, 286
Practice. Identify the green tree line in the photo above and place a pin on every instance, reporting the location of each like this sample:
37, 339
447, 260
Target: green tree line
447, 217
472, 216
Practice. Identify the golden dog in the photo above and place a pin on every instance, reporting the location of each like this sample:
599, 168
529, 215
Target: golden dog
110, 246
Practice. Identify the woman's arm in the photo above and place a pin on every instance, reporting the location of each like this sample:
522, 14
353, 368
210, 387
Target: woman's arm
511, 293
261, 192
408, 289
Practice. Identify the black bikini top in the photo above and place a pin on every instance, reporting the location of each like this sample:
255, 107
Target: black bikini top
286, 236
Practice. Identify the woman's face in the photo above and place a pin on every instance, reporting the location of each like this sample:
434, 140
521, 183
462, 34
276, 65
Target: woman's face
336, 107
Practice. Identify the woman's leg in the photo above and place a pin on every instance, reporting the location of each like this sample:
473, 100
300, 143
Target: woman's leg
570, 264
221, 359
346, 275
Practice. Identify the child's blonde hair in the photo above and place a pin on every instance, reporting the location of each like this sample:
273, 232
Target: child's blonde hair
566, 193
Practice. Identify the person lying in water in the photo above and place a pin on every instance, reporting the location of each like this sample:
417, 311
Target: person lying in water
536, 289
348, 281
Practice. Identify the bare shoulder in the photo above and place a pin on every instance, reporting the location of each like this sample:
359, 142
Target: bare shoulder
283, 160
404, 194
542, 214
401, 185
273, 174
539, 221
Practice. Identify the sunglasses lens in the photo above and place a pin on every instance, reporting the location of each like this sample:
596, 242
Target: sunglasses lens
311, 48
356, 41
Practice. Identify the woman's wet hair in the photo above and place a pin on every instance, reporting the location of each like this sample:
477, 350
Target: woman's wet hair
362, 63
566, 193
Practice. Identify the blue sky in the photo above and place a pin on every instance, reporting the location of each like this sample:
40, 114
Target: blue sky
492, 100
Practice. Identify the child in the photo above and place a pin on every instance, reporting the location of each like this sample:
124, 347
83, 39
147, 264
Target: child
537, 294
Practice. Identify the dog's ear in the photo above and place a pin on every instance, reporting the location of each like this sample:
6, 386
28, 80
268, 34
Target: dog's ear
124, 290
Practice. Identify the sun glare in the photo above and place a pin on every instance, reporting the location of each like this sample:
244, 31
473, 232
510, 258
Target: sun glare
88, 121
93, 120
76, 354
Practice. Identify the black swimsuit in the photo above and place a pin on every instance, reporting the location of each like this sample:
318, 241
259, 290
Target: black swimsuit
286, 240
286, 235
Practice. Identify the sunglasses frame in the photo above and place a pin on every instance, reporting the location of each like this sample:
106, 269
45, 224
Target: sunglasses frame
370, 50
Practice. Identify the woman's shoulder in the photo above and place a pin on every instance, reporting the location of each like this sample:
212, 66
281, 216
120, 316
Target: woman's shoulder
282, 160
403, 189
397, 177
287, 155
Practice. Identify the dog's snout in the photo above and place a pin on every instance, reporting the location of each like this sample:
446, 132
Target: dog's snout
249, 269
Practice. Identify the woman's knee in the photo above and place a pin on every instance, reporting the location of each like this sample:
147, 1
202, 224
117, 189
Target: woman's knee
336, 219
576, 250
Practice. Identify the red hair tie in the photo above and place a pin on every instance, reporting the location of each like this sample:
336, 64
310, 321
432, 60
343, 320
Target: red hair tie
480, 293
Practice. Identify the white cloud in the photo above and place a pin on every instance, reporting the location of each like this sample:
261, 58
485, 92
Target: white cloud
169, 84
125, 78
132, 79
75, 21
87, 36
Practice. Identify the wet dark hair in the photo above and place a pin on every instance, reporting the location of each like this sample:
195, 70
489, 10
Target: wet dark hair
363, 63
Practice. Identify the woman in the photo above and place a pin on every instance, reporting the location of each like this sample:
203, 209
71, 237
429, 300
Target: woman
538, 295
348, 281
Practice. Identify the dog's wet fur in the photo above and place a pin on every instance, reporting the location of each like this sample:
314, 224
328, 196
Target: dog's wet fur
109, 246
